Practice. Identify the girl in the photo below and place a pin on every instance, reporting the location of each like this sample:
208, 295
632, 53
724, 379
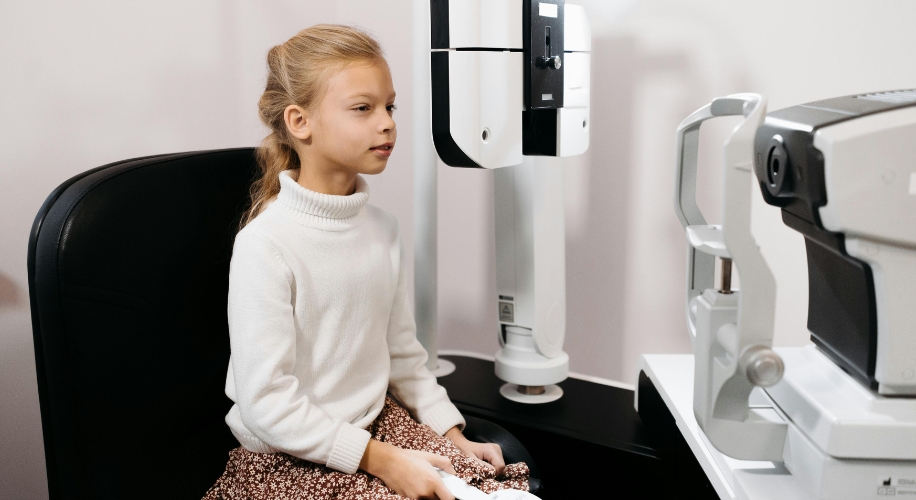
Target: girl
319, 321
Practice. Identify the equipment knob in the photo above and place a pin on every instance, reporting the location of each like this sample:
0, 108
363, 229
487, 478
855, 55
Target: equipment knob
764, 368
552, 62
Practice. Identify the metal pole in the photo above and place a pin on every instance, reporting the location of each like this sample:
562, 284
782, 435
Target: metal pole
425, 196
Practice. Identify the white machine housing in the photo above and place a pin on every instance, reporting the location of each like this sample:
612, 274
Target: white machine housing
877, 213
850, 425
479, 90
504, 95
531, 275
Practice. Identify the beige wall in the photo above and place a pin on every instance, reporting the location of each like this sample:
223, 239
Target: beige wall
86, 83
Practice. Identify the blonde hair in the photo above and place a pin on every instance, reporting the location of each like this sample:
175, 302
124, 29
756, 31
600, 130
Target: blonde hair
297, 73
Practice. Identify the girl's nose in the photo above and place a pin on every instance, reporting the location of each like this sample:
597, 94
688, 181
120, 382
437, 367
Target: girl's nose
387, 124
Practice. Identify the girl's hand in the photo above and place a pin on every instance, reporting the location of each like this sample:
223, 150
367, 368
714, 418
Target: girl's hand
409, 473
489, 453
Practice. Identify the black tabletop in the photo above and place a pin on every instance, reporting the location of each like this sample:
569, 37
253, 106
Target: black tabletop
588, 411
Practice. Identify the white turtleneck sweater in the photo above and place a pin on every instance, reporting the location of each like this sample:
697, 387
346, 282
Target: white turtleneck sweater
320, 329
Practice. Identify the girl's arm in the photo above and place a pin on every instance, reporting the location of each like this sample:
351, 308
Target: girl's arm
263, 342
410, 381
415, 387
409, 473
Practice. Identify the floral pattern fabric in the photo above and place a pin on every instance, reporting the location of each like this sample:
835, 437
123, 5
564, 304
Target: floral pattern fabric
278, 476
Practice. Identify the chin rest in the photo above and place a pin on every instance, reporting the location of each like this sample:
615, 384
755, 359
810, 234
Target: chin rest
484, 431
128, 281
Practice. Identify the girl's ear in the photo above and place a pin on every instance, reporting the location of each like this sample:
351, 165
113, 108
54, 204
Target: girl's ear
298, 122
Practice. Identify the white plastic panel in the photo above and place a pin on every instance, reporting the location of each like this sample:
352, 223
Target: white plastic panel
708, 239
549, 248
867, 165
504, 208
530, 248
486, 103
838, 414
823, 476
894, 270
514, 199
573, 131
573, 120
577, 79
576, 30
485, 23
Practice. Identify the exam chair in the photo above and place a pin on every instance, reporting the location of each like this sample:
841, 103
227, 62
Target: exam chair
128, 279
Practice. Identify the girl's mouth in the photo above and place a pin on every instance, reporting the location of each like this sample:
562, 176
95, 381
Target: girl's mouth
383, 150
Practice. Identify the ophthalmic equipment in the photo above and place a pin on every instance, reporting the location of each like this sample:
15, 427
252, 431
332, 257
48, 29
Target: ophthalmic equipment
510, 91
837, 419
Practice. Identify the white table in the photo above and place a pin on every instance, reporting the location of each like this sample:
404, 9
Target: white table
672, 375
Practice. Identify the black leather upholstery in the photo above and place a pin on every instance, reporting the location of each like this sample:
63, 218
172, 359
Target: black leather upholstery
128, 276
128, 279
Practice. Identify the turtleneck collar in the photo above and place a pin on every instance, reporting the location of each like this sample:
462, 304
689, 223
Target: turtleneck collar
319, 210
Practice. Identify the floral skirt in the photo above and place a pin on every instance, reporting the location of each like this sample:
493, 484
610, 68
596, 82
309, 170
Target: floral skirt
278, 476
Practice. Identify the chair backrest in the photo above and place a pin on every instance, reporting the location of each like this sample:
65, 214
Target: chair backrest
128, 280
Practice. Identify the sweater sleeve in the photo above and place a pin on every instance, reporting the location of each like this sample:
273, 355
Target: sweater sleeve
410, 381
263, 341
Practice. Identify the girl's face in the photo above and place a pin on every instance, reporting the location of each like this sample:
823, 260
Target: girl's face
353, 131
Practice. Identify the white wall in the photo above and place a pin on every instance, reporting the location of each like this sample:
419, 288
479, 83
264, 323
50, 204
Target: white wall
663, 61
86, 83
655, 62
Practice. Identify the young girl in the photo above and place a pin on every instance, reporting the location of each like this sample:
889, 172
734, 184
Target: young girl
319, 319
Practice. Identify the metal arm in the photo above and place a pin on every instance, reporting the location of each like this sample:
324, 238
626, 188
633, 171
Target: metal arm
731, 332
700, 267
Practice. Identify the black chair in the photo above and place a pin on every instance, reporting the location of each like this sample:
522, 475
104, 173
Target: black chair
128, 278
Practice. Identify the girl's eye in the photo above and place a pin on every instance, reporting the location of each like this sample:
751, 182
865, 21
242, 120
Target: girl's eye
363, 108
392, 107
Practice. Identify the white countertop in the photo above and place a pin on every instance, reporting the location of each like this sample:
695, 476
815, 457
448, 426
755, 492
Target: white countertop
733, 479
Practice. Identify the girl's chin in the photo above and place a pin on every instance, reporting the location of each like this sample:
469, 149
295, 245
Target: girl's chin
376, 167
